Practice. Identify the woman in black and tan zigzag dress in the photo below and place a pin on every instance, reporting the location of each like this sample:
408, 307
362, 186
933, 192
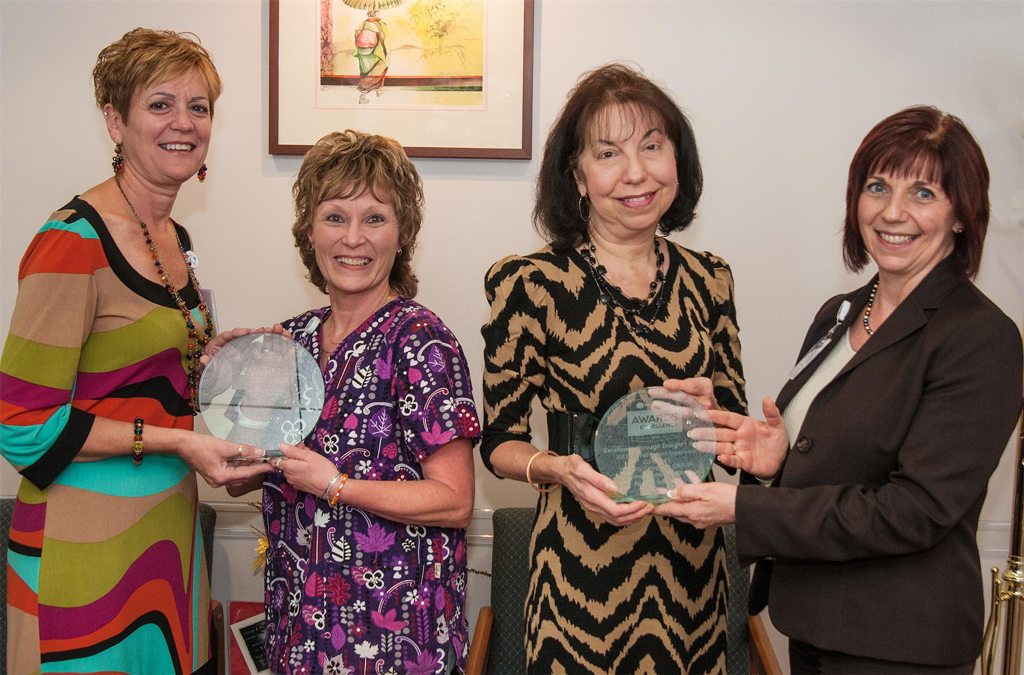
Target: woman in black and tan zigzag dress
609, 307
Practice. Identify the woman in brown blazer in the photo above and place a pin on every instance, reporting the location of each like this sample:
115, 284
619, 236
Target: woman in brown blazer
881, 444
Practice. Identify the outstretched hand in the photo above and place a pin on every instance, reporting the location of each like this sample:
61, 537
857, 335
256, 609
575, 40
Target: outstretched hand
741, 442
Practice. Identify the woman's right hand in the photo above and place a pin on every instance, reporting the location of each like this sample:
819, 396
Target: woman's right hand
593, 489
741, 442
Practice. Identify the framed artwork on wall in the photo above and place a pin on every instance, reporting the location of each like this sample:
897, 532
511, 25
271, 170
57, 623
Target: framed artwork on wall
446, 78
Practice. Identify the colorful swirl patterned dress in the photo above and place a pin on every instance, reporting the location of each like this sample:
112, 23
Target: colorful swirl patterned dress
346, 590
650, 597
105, 569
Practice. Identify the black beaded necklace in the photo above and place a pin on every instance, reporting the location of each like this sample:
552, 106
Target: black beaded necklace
867, 309
610, 294
196, 342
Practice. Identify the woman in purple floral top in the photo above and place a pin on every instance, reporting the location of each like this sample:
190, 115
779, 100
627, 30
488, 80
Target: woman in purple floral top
366, 571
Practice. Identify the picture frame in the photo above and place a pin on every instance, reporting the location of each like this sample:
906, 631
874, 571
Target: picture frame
468, 96
248, 624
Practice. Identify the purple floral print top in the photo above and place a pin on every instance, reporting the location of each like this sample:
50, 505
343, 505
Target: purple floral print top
348, 591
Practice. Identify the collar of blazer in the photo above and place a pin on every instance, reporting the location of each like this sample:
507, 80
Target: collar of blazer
911, 315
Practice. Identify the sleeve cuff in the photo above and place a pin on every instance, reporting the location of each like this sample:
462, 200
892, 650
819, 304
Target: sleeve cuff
45, 470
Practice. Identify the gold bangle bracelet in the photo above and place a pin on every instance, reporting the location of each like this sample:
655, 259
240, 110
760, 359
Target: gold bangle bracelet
529, 465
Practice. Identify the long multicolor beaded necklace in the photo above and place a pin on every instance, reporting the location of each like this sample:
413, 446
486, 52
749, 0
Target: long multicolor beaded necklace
612, 294
196, 341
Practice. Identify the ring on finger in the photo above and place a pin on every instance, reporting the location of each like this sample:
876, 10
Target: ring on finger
239, 453
277, 463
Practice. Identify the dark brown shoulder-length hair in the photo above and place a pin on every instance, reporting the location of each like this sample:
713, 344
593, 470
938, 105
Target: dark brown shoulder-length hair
344, 164
556, 215
924, 141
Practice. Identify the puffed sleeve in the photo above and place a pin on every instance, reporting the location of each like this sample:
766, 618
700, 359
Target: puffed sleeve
515, 360
730, 385
53, 314
433, 387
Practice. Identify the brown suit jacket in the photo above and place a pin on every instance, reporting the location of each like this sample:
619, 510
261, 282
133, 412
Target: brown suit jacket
871, 524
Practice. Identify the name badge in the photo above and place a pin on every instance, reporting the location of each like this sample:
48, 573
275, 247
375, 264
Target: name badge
821, 344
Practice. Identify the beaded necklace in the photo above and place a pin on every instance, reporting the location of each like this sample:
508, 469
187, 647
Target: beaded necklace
196, 341
613, 295
867, 309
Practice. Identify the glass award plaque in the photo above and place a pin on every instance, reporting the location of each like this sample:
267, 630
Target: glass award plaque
641, 443
261, 389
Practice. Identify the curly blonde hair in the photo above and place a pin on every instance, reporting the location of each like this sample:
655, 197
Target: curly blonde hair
344, 164
143, 56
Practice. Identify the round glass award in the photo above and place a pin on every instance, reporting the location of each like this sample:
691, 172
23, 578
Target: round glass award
262, 389
641, 443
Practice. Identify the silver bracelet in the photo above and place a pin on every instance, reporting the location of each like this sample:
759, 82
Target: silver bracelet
327, 490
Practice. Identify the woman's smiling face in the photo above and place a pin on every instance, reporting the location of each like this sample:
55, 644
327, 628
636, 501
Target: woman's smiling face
907, 224
355, 241
167, 133
627, 169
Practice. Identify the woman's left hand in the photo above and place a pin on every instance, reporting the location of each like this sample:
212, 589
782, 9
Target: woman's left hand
702, 505
304, 469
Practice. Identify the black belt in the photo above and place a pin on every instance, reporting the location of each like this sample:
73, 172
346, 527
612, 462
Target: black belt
572, 434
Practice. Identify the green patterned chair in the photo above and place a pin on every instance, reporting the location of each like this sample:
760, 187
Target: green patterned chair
497, 645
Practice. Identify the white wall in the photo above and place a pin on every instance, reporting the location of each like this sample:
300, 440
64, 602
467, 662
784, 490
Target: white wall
780, 94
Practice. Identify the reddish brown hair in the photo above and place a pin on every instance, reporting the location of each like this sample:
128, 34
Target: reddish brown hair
924, 141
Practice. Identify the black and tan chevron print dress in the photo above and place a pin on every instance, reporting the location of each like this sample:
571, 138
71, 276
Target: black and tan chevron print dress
650, 597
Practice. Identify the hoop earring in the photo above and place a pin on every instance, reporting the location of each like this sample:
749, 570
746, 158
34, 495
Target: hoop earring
579, 208
117, 161
202, 173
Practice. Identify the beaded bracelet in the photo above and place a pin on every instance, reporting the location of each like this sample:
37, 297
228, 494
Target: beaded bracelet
336, 497
327, 490
137, 442
529, 465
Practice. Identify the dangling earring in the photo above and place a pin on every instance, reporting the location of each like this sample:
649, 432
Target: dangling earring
579, 207
202, 173
117, 162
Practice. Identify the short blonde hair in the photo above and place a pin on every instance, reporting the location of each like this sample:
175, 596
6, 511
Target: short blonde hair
143, 56
344, 164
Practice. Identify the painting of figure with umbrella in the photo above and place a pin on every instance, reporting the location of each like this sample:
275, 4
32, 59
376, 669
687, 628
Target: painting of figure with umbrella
402, 53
